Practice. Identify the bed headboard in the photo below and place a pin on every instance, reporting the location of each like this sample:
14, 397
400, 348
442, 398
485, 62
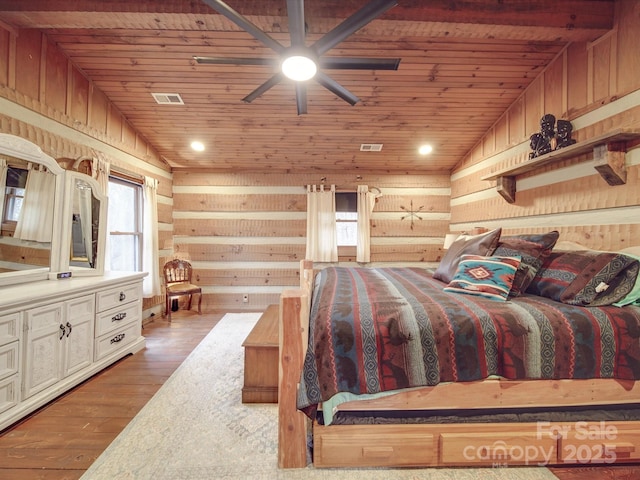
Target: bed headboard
568, 245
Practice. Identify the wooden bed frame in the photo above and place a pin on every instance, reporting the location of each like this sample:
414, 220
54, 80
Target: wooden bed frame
451, 444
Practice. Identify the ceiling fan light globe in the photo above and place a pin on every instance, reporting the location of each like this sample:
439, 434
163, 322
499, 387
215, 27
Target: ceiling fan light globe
299, 68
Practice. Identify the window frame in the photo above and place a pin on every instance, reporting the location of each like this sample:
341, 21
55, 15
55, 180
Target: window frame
353, 220
138, 235
10, 195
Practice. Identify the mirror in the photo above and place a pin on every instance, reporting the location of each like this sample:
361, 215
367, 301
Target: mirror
31, 187
85, 233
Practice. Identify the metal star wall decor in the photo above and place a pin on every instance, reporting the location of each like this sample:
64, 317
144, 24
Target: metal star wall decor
412, 214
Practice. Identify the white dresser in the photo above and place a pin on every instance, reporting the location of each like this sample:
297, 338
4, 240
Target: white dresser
54, 334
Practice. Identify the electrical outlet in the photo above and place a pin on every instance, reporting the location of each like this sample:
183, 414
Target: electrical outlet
245, 298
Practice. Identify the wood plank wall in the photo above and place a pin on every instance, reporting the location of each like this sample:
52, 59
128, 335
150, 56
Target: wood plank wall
246, 233
46, 100
597, 87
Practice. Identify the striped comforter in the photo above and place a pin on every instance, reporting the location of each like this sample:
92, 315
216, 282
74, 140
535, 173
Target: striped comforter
381, 329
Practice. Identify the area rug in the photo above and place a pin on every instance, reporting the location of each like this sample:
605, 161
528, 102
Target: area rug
197, 428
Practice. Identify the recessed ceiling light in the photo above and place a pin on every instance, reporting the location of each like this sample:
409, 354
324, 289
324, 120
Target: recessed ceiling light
425, 149
197, 146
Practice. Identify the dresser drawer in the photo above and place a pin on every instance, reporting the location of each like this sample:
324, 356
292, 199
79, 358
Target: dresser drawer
599, 443
9, 360
108, 299
9, 328
9, 392
497, 449
117, 318
115, 340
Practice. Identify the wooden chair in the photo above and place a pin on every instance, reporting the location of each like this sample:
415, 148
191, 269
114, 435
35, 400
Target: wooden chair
177, 282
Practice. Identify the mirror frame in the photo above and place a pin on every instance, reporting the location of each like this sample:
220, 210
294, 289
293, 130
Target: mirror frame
65, 264
23, 149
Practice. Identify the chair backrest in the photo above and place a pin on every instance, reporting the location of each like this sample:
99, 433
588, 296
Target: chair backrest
176, 271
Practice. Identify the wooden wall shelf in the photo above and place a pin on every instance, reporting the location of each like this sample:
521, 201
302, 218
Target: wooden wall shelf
608, 150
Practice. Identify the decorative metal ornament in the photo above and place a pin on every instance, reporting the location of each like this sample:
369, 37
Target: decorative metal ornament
412, 214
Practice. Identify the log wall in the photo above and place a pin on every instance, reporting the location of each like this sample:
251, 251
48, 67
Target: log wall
46, 100
245, 234
595, 86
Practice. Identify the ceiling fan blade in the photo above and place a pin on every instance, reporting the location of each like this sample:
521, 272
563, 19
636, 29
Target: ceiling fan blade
301, 98
295, 11
334, 87
270, 62
224, 9
355, 22
345, 63
272, 82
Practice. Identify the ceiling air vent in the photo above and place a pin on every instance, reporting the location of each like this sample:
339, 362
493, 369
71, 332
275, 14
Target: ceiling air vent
168, 98
371, 147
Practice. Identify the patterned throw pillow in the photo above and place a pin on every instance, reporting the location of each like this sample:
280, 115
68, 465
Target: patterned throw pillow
488, 277
633, 297
586, 277
532, 249
483, 244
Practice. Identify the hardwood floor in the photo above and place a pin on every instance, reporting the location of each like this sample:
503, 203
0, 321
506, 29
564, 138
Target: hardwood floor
61, 440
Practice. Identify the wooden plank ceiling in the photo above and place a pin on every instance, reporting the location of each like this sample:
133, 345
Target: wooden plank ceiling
463, 63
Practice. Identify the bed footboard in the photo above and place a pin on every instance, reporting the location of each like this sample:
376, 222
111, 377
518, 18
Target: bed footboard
293, 329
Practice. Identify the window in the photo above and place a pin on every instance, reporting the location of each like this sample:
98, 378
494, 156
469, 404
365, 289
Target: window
347, 218
125, 225
14, 193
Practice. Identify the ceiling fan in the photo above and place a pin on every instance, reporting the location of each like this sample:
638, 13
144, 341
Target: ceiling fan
298, 51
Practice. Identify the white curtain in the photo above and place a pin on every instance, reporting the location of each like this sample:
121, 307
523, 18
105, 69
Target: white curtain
4, 168
150, 260
100, 170
366, 202
322, 238
36, 215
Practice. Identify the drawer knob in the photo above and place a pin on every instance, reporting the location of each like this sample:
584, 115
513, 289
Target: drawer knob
122, 296
117, 338
119, 316
499, 451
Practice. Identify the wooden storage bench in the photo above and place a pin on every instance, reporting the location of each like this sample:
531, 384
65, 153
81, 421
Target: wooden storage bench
261, 359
